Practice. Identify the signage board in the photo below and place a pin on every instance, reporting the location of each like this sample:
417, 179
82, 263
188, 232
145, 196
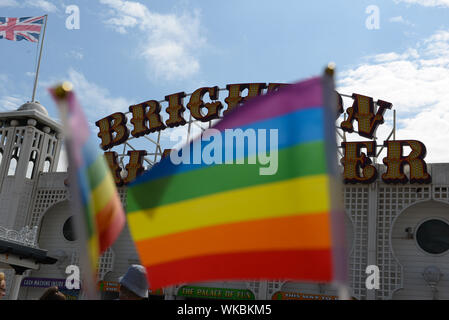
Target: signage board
283, 295
215, 293
112, 286
43, 282
363, 117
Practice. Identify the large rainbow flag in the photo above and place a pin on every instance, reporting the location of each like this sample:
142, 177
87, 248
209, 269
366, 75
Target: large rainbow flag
202, 222
91, 184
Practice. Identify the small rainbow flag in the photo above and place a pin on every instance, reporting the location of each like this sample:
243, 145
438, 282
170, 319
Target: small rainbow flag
202, 221
91, 182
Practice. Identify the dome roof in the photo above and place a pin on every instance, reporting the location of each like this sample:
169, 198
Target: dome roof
33, 106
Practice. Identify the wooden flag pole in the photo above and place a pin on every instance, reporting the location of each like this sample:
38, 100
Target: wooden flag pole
39, 61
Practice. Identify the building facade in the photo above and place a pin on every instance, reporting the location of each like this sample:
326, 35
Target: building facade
403, 229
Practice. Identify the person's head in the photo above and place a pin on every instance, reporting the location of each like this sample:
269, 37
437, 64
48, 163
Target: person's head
2, 285
134, 285
52, 293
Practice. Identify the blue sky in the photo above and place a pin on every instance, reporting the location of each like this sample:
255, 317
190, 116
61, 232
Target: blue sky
127, 52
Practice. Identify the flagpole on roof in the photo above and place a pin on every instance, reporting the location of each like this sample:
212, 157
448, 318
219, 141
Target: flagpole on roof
39, 62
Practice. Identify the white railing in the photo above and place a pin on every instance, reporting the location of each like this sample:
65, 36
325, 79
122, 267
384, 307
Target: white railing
26, 236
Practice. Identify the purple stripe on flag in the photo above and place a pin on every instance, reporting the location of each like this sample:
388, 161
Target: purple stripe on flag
78, 127
303, 95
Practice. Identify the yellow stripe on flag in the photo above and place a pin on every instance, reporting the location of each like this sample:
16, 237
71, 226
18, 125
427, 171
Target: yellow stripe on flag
305, 195
93, 251
103, 193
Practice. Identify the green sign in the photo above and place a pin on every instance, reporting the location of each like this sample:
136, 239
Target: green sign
215, 293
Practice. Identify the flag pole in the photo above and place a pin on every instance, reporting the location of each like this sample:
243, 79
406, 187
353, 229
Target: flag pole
88, 276
39, 62
337, 211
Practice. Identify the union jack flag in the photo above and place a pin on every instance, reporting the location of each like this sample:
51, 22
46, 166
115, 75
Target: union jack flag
16, 29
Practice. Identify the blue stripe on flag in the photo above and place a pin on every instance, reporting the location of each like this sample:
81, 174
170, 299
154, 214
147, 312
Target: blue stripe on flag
294, 128
84, 189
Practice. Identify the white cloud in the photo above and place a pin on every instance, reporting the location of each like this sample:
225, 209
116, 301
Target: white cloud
73, 54
397, 19
47, 6
427, 3
8, 3
416, 82
10, 103
96, 101
400, 19
42, 4
171, 41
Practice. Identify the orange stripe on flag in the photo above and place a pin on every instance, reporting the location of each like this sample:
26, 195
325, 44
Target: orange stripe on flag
286, 233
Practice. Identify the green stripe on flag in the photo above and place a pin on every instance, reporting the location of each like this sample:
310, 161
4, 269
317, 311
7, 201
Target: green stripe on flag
300, 160
96, 172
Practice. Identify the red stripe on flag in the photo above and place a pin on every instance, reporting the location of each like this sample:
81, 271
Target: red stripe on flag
310, 265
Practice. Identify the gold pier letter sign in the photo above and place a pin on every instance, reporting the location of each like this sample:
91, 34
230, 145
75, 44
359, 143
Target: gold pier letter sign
134, 166
395, 162
115, 123
175, 109
235, 93
357, 165
196, 104
112, 160
362, 110
143, 113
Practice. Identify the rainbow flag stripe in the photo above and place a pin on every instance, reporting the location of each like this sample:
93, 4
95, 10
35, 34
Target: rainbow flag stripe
103, 209
201, 222
103, 215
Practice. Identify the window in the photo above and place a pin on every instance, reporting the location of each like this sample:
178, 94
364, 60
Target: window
68, 231
14, 161
432, 236
47, 165
31, 165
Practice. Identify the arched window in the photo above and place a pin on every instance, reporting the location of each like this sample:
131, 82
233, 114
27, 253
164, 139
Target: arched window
12, 167
14, 161
31, 165
47, 165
